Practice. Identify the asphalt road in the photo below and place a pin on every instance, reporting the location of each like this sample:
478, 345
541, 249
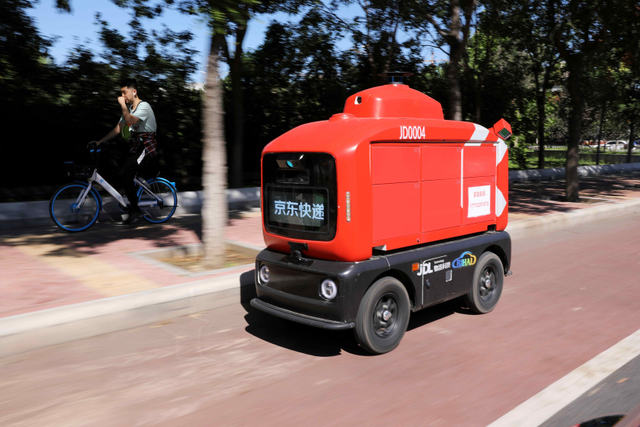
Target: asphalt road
617, 394
573, 295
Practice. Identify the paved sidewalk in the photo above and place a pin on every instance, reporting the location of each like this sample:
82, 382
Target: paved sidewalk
47, 268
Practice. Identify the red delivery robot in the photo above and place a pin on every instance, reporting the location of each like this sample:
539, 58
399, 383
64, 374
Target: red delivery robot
381, 210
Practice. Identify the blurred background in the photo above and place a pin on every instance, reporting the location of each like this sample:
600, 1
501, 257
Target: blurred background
285, 63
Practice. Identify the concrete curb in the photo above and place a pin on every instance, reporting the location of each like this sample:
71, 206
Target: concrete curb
559, 173
44, 328
528, 227
26, 332
36, 214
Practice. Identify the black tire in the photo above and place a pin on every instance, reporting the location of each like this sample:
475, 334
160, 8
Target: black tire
486, 288
386, 297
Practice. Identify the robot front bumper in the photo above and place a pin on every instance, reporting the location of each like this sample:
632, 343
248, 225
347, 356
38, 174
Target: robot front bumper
313, 292
293, 316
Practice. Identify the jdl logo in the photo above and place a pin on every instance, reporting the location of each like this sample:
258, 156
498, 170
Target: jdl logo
412, 132
425, 268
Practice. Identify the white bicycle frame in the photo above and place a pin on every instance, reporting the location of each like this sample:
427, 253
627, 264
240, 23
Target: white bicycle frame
95, 177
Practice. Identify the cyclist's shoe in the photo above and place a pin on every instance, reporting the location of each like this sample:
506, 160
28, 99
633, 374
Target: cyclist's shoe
134, 215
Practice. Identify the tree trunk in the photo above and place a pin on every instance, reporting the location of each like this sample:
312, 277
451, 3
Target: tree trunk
476, 87
602, 113
457, 49
235, 68
391, 44
575, 128
631, 139
454, 109
214, 176
478, 96
367, 45
542, 117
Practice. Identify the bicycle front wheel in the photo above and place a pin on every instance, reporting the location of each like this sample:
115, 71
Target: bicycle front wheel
162, 205
69, 212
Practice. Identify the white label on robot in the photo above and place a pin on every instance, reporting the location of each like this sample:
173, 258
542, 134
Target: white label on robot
479, 201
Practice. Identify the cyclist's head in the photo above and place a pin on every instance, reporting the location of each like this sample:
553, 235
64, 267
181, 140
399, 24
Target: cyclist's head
129, 89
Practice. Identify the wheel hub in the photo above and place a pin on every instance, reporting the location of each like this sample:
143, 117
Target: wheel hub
384, 315
487, 284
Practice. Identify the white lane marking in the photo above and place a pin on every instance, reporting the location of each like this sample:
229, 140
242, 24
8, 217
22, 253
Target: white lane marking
479, 134
552, 399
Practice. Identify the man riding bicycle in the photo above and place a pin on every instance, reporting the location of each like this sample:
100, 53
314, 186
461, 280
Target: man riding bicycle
121, 162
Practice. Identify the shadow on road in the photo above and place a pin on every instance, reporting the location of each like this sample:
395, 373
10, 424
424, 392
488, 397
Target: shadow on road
89, 242
300, 338
322, 343
435, 313
291, 335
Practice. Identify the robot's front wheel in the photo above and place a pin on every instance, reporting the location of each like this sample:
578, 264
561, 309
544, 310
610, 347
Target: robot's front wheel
383, 316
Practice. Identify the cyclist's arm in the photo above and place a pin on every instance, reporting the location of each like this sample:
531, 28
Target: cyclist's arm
129, 119
112, 134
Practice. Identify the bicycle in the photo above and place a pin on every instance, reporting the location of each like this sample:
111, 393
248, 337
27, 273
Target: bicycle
77, 205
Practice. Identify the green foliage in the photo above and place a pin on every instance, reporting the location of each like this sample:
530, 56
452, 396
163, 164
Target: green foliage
299, 74
54, 111
63, 5
296, 76
29, 84
518, 152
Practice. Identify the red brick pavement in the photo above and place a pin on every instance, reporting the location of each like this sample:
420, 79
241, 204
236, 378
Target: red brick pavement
46, 268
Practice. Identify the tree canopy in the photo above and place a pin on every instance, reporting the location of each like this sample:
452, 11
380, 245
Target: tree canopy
557, 70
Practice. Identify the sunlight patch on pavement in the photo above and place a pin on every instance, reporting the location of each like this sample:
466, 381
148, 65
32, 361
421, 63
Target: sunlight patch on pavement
97, 275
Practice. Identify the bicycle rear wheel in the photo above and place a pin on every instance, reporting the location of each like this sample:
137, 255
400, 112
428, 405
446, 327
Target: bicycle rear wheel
160, 209
68, 214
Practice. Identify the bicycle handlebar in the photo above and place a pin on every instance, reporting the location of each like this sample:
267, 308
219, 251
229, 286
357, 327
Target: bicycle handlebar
94, 150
